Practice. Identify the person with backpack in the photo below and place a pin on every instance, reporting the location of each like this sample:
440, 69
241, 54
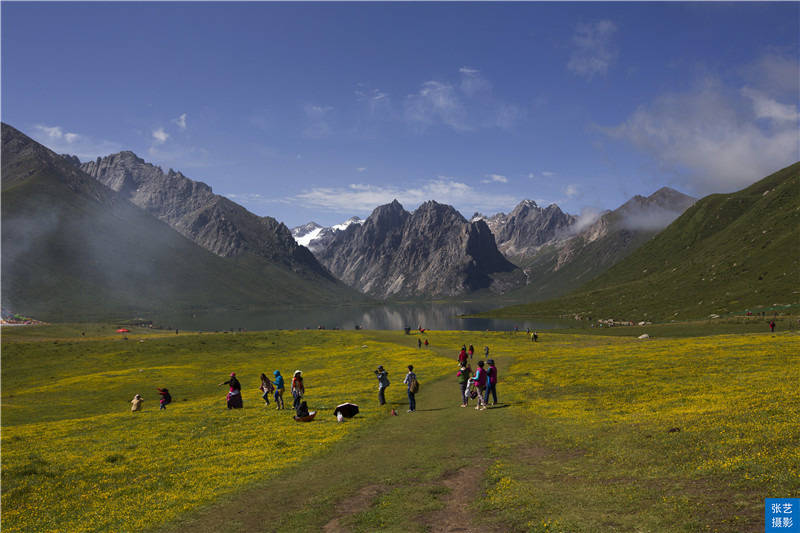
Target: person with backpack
383, 382
166, 398
298, 389
278, 389
491, 385
413, 387
234, 396
266, 388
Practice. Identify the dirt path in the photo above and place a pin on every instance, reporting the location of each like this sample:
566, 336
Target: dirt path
465, 489
413, 452
352, 505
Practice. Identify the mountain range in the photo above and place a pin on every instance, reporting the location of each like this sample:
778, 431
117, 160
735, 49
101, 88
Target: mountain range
75, 249
556, 251
433, 252
118, 236
726, 253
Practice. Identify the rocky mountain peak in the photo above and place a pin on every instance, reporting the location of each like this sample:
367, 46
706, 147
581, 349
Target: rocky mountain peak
191, 207
432, 252
524, 207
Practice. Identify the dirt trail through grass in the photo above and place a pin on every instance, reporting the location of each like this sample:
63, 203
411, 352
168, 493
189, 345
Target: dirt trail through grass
412, 472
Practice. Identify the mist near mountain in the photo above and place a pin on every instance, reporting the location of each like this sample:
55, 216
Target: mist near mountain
73, 249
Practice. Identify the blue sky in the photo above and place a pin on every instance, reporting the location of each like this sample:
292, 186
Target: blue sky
309, 111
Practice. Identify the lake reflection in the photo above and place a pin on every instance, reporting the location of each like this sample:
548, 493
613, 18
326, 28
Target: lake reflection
436, 316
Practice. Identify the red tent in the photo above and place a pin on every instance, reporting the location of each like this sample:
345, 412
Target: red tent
123, 330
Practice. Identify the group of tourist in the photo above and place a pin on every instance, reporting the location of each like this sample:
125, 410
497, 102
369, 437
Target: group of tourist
479, 387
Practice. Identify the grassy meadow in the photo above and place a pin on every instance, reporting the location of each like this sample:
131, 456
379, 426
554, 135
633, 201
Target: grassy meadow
594, 433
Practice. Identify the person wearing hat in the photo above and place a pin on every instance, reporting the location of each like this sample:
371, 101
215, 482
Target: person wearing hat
383, 382
278, 389
491, 385
234, 396
298, 389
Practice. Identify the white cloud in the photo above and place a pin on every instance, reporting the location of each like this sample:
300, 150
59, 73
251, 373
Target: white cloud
593, 51
572, 190
359, 198
437, 102
160, 135
710, 138
376, 102
472, 83
775, 74
766, 107
180, 121
464, 105
543, 173
361, 169
65, 142
588, 216
495, 178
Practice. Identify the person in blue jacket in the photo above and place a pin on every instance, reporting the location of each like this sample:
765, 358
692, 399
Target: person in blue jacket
278, 389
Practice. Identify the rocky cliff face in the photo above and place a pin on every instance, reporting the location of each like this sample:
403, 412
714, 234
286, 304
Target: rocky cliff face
432, 252
191, 207
529, 226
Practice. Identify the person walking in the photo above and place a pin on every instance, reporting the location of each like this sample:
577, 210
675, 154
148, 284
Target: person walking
772, 326
234, 396
491, 385
419, 343
413, 387
462, 357
471, 351
266, 388
278, 389
463, 376
383, 382
480, 381
298, 389
166, 398
486, 352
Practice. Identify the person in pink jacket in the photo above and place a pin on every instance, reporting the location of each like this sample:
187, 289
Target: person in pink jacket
480, 380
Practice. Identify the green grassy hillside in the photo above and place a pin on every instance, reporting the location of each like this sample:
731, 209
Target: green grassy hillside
72, 250
727, 253
550, 280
